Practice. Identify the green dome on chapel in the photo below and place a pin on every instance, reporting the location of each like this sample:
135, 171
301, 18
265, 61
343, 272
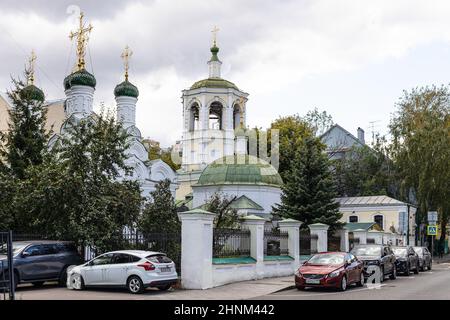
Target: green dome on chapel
33, 93
214, 83
80, 78
240, 169
126, 89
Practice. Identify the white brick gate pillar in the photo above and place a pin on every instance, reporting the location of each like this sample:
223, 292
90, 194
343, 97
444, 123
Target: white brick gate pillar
345, 243
321, 230
196, 248
292, 227
256, 226
361, 234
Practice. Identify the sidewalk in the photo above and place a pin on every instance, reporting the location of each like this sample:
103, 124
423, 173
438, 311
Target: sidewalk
235, 291
445, 259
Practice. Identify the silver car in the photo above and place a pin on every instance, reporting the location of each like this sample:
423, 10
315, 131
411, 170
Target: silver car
133, 269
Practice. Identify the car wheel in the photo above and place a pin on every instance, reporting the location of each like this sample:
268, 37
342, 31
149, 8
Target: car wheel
393, 274
135, 285
343, 284
360, 283
416, 270
38, 284
63, 278
165, 288
422, 268
76, 281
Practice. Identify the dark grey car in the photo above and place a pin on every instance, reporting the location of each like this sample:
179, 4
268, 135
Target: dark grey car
379, 255
39, 261
425, 260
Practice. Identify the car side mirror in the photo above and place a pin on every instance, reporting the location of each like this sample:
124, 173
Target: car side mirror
25, 254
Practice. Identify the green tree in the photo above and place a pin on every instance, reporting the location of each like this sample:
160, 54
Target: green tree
292, 132
160, 212
25, 142
75, 194
308, 193
420, 132
365, 171
7, 194
318, 121
226, 216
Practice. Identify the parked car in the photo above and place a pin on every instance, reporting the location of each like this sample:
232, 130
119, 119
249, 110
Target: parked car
133, 269
425, 260
330, 269
406, 260
376, 256
39, 261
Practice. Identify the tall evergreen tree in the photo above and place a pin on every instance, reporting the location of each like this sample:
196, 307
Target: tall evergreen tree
26, 141
160, 213
309, 190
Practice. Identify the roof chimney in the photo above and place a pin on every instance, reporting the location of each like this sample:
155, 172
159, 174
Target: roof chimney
361, 135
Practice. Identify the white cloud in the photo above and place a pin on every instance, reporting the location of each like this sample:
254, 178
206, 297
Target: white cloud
268, 47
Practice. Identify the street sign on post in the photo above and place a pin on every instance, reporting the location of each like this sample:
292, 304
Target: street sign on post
432, 217
432, 230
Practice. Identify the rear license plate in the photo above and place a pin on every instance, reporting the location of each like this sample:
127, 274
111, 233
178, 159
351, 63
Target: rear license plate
313, 281
166, 269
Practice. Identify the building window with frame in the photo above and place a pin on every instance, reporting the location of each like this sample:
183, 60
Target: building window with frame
378, 219
353, 219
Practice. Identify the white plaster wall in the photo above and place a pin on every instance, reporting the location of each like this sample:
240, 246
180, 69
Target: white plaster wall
229, 273
265, 196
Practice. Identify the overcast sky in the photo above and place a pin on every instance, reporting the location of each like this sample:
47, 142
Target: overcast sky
351, 58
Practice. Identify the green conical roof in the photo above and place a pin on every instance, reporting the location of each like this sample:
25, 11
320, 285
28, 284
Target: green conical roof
80, 78
32, 92
126, 89
214, 83
240, 169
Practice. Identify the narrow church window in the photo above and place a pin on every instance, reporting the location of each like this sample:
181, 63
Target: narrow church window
353, 219
215, 116
378, 219
194, 122
236, 116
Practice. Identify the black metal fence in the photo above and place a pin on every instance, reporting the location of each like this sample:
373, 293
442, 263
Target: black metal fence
275, 242
229, 243
7, 285
308, 242
334, 242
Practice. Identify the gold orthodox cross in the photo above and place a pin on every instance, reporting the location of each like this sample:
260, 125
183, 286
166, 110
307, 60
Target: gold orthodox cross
82, 36
214, 32
31, 61
126, 55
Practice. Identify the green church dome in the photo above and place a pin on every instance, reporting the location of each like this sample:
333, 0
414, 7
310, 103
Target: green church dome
214, 83
127, 89
240, 169
32, 92
80, 78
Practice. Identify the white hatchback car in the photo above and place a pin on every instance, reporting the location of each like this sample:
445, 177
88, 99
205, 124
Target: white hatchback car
133, 269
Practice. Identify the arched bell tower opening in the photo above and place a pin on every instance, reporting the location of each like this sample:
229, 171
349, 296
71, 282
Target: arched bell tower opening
237, 116
215, 118
194, 117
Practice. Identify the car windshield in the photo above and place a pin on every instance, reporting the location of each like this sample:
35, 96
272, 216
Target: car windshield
400, 252
327, 259
418, 250
367, 251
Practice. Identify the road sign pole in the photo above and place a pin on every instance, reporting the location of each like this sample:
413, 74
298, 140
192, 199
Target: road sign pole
432, 248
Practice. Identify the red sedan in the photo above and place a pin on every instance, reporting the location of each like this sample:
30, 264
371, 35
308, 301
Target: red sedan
330, 269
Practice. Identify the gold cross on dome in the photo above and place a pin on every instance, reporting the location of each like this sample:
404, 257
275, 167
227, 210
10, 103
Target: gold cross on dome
31, 61
126, 55
82, 35
214, 32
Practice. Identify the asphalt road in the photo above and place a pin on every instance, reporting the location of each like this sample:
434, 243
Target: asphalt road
433, 285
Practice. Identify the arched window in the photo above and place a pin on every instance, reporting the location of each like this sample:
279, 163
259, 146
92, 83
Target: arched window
353, 219
237, 114
194, 123
215, 116
378, 219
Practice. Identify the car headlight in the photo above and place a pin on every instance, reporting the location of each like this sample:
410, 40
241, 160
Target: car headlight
334, 274
298, 273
